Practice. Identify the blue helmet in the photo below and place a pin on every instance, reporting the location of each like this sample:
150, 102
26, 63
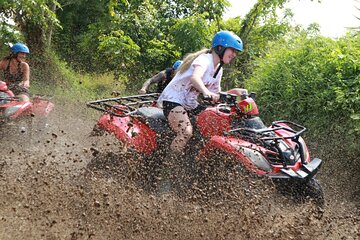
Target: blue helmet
19, 47
227, 39
177, 64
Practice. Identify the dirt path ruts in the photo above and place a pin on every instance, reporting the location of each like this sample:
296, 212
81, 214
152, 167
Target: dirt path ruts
64, 184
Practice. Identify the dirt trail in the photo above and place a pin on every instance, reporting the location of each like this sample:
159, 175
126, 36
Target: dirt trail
64, 184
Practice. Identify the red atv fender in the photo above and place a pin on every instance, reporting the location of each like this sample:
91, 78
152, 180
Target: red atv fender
131, 131
16, 110
236, 148
213, 122
255, 157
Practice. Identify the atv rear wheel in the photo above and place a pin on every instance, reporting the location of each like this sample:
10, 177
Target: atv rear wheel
97, 131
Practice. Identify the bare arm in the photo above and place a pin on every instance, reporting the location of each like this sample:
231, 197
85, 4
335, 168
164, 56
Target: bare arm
26, 75
155, 79
199, 84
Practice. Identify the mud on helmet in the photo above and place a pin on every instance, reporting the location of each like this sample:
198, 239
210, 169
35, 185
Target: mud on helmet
19, 47
177, 64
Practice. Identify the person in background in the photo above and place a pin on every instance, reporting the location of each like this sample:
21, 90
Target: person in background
162, 78
200, 73
16, 72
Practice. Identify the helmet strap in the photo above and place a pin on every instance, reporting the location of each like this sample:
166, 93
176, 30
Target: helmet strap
218, 69
220, 51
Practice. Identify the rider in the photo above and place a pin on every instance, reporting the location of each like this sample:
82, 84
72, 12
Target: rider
16, 72
162, 78
201, 72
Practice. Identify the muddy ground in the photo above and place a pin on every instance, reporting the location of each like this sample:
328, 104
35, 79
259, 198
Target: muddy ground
62, 183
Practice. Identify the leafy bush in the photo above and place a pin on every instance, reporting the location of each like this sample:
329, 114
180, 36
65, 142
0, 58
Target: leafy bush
313, 80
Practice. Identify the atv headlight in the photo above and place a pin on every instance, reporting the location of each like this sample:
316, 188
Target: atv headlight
304, 148
257, 158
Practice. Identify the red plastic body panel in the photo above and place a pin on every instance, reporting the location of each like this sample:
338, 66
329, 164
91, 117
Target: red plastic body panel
230, 146
233, 146
36, 107
249, 107
130, 131
213, 122
23, 111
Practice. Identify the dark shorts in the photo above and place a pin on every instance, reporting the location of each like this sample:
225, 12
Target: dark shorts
19, 90
168, 106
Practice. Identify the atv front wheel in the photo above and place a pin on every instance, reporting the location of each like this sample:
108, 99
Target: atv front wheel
303, 191
313, 190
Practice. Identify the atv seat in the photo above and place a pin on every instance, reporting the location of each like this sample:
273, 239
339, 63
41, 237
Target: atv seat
151, 113
155, 118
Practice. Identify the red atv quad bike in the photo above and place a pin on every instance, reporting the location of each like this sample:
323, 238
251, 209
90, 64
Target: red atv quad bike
12, 108
231, 127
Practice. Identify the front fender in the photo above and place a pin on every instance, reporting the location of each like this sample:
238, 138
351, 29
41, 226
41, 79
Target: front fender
239, 150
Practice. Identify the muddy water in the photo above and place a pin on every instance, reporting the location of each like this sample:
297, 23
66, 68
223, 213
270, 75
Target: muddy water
61, 183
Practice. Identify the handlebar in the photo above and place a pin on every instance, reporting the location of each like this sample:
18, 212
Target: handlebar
225, 97
228, 99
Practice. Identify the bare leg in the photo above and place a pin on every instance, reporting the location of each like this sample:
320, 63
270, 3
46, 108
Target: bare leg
179, 121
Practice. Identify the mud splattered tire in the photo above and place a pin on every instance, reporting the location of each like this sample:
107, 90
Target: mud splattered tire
302, 191
312, 189
97, 131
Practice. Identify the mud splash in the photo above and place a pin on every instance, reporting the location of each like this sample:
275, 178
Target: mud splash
60, 183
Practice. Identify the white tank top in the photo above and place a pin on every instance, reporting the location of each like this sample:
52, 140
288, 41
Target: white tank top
180, 89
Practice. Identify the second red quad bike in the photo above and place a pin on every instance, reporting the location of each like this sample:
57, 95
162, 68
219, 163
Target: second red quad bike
231, 127
12, 108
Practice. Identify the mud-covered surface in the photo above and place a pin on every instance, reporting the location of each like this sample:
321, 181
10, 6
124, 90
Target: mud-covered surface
59, 182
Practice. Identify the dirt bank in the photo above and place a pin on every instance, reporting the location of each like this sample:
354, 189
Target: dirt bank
64, 184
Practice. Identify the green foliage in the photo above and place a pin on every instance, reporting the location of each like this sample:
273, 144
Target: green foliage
32, 19
118, 50
78, 41
25, 11
260, 27
134, 37
70, 83
314, 80
192, 33
158, 51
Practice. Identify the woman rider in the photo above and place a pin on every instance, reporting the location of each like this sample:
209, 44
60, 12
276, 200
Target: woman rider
16, 72
200, 72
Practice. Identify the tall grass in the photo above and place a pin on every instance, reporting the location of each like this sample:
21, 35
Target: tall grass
66, 85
